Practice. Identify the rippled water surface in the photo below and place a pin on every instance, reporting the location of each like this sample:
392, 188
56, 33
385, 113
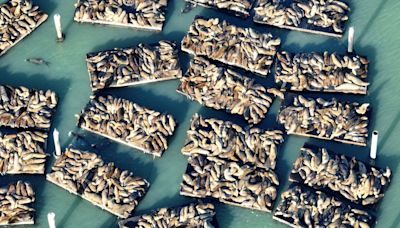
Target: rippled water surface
377, 26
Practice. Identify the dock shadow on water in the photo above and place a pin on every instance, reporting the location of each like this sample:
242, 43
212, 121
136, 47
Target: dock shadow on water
47, 6
35, 81
375, 99
111, 222
224, 213
206, 112
392, 126
64, 219
146, 38
175, 200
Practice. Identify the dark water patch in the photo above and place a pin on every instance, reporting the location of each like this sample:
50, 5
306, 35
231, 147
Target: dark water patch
69, 211
359, 152
224, 213
374, 97
111, 222
393, 125
35, 81
46, 6
283, 168
175, 200
146, 37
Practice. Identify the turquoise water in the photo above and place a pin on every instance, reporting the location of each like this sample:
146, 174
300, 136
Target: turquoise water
377, 26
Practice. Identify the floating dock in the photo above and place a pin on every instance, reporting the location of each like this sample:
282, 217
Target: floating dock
325, 119
18, 19
241, 47
71, 170
228, 141
240, 8
16, 204
303, 207
38, 106
192, 215
133, 66
322, 72
128, 123
139, 14
230, 182
85, 174
224, 89
23, 153
323, 170
317, 17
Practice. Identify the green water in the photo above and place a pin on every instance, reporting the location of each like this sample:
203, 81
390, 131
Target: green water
377, 26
